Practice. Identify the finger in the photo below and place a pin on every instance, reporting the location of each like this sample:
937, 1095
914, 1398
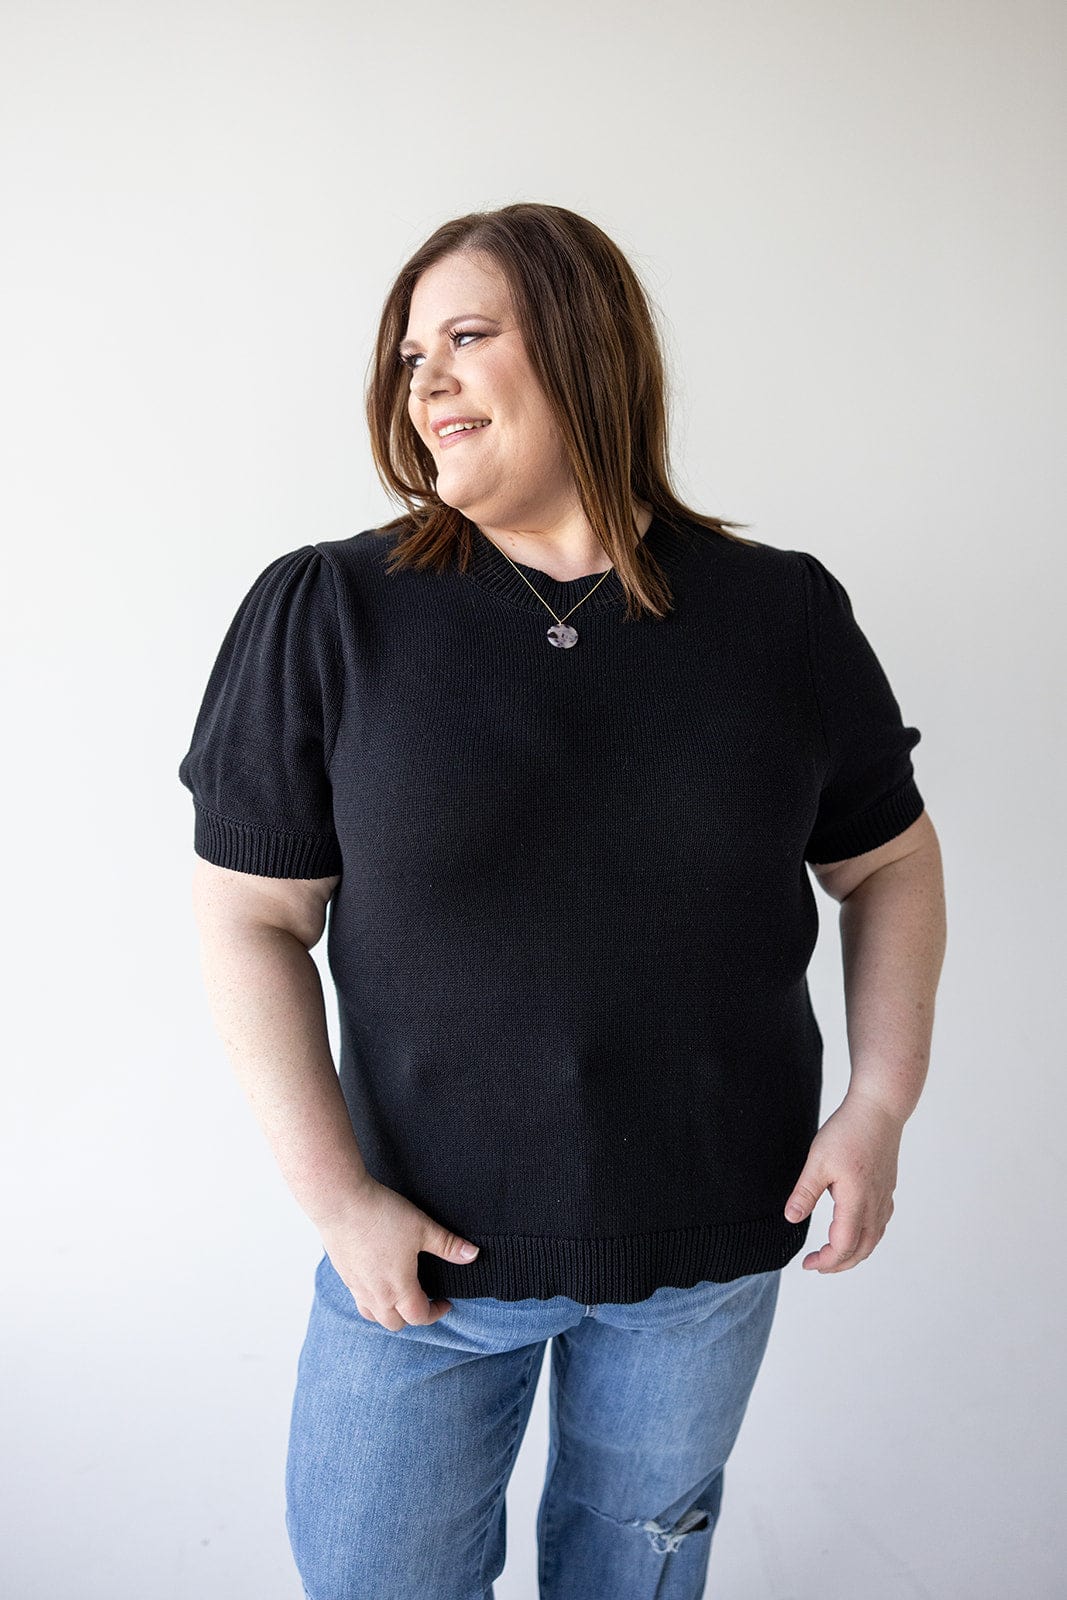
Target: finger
845, 1232
835, 1258
802, 1201
416, 1307
387, 1316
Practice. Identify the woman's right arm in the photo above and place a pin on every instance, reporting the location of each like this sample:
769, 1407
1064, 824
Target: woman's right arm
266, 1000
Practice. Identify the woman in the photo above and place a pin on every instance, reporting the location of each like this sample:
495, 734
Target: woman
558, 752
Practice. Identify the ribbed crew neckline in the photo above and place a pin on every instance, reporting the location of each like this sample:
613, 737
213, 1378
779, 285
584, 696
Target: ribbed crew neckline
493, 571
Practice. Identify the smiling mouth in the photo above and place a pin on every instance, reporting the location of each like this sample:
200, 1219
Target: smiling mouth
463, 431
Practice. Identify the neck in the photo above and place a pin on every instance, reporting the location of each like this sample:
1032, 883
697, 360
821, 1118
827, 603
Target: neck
560, 554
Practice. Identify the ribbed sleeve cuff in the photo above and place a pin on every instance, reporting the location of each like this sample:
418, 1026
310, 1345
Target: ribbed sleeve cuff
869, 828
267, 852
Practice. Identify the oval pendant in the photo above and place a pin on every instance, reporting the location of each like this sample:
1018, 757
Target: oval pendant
563, 635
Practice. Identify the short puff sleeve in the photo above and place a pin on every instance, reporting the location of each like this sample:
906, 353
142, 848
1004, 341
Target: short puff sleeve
258, 763
868, 794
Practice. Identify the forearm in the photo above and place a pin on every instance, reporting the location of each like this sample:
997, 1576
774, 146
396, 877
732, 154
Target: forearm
893, 936
266, 1000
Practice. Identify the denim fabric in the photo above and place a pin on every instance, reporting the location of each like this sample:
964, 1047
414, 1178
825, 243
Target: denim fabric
402, 1443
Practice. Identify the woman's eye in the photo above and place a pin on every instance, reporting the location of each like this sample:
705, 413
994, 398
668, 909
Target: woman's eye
410, 360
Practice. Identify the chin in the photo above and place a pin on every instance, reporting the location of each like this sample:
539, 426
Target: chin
456, 499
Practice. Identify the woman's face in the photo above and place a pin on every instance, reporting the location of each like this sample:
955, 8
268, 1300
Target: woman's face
468, 360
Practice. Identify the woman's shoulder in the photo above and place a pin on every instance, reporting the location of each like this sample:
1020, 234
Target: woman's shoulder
751, 566
731, 542
358, 564
359, 551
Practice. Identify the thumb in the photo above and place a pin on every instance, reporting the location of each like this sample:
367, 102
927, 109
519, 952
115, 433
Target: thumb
451, 1246
802, 1201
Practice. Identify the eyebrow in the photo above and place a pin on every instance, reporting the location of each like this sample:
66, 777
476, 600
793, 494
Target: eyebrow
450, 322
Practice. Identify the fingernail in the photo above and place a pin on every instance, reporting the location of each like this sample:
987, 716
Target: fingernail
468, 1251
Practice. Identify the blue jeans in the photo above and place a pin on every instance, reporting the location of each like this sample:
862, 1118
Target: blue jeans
401, 1443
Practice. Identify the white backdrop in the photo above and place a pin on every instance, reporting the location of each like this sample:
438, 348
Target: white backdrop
852, 220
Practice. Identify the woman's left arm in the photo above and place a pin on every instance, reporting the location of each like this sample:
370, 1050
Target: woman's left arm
893, 936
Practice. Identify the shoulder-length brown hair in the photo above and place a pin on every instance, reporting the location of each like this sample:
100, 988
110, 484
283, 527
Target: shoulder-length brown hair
589, 332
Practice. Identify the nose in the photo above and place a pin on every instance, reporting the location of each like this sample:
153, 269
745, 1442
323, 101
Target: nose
433, 377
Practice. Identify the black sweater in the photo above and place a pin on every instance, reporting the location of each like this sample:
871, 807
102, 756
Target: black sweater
574, 920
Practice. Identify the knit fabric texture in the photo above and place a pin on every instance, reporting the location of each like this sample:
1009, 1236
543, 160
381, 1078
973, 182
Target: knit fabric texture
574, 917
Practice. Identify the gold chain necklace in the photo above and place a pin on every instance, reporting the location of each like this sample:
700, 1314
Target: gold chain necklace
563, 636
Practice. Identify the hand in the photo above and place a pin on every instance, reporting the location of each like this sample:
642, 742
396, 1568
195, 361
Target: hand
854, 1155
373, 1244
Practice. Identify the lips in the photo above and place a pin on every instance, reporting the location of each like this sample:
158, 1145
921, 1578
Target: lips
453, 416
461, 433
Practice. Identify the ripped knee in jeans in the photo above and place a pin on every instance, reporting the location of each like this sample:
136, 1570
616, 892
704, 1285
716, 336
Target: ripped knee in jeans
663, 1539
